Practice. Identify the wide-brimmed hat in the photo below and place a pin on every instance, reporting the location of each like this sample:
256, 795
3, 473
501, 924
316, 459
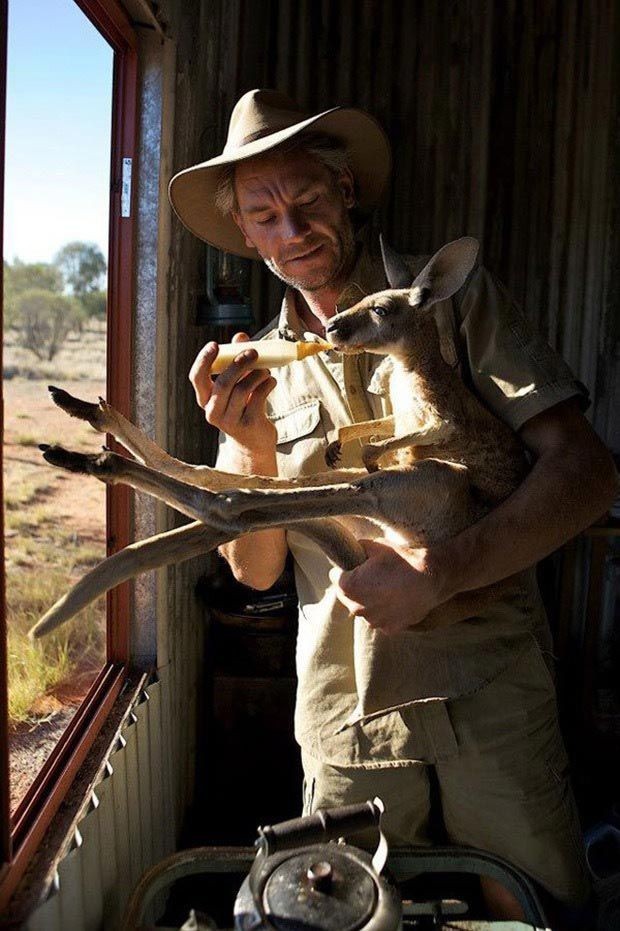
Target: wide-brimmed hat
260, 121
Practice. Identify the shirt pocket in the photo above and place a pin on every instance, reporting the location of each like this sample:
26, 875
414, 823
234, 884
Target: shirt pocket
301, 439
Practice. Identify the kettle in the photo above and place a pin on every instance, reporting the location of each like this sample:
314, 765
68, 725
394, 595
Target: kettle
302, 881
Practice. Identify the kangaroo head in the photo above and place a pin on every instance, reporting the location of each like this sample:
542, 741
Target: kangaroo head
393, 321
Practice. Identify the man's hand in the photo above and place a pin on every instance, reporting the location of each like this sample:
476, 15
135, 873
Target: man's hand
234, 402
395, 588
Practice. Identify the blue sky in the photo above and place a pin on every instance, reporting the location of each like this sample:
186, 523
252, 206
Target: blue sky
59, 94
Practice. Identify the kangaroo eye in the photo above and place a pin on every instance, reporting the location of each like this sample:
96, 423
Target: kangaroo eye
379, 311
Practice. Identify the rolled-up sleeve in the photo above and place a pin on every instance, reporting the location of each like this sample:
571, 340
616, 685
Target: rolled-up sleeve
513, 369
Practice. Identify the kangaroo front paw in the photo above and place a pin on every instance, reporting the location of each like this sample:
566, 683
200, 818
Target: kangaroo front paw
333, 453
370, 457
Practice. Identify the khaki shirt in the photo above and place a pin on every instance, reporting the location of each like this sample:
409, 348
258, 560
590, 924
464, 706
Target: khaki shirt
353, 682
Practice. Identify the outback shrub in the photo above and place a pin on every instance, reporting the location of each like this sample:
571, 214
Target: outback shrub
22, 276
45, 319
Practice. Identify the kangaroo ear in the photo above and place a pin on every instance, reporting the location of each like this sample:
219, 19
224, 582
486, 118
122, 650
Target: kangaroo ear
396, 271
445, 273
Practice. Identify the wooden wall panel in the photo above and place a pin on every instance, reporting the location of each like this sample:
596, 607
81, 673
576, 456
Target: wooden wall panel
500, 118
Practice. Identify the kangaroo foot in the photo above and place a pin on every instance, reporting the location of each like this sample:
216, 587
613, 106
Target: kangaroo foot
101, 465
333, 453
94, 414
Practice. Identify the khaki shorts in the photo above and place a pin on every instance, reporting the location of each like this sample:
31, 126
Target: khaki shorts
503, 779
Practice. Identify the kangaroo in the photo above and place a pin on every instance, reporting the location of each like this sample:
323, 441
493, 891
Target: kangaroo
450, 459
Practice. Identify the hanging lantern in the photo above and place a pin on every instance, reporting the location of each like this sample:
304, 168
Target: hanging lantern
227, 301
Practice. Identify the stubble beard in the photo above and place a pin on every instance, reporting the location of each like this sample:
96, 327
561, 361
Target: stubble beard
345, 253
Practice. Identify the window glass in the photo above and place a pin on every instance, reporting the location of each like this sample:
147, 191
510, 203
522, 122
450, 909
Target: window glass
57, 181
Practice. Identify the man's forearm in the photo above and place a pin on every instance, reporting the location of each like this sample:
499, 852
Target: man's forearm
256, 559
564, 493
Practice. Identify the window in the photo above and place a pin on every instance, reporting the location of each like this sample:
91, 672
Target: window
69, 144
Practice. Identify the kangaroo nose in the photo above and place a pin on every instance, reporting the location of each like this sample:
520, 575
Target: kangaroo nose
335, 328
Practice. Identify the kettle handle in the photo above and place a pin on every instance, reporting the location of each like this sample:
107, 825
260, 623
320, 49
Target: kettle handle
324, 825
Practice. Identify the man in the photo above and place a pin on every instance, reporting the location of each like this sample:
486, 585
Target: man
480, 711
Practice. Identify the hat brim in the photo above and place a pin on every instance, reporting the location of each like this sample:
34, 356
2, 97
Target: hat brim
192, 191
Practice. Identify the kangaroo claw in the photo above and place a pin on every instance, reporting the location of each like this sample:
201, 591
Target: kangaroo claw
333, 453
370, 458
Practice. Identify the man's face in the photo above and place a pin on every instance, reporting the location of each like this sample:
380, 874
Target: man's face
294, 212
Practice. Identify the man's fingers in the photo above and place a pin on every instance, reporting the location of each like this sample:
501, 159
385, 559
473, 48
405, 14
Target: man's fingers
226, 383
255, 407
336, 578
242, 395
341, 581
346, 582
352, 606
200, 373
243, 392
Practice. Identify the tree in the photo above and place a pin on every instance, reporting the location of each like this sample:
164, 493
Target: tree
95, 304
20, 277
46, 319
82, 266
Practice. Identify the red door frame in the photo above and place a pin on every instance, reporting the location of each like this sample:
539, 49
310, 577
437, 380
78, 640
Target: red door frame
5, 800
19, 841
112, 22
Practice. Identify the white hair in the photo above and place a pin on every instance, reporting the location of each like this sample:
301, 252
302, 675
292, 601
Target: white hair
329, 151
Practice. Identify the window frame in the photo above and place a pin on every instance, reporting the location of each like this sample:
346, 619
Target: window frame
21, 835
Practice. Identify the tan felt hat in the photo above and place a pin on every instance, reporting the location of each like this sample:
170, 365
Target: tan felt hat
261, 120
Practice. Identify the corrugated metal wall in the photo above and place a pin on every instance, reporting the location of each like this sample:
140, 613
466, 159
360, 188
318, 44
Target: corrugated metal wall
128, 825
504, 122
